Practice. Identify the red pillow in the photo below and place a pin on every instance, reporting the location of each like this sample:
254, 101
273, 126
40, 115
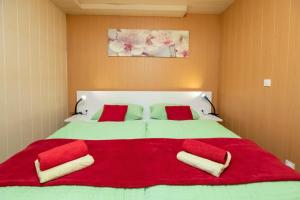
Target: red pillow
114, 113
179, 112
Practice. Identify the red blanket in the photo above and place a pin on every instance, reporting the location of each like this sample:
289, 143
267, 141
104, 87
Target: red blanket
141, 163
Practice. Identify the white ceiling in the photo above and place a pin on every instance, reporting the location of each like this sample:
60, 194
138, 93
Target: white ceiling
171, 8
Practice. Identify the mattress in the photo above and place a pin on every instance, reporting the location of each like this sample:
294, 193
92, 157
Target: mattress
288, 190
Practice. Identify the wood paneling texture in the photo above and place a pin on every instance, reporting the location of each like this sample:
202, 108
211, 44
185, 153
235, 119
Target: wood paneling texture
260, 39
33, 72
89, 67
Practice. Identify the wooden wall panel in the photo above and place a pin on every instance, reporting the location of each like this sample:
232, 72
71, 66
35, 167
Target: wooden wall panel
260, 39
89, 67
33, 79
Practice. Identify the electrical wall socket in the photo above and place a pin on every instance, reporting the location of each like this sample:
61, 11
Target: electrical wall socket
290, 164
267, 82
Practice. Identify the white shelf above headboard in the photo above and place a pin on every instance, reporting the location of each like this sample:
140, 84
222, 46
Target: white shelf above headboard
96, 99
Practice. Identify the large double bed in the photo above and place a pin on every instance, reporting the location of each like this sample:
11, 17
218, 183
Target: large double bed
138, 129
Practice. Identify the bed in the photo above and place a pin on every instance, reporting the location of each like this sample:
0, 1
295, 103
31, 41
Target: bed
91, 130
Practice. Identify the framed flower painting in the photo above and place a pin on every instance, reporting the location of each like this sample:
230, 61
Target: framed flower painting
148, 43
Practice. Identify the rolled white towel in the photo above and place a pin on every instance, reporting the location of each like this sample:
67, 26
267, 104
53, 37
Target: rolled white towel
63, 169
206, 165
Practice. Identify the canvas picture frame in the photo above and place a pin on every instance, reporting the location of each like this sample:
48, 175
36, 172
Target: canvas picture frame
148, 43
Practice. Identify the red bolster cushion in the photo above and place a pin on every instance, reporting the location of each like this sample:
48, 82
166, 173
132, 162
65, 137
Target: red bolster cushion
205, 150
115, 113
62, 154
179, 112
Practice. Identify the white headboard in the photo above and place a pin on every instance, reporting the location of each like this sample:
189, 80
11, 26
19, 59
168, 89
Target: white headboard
95, 99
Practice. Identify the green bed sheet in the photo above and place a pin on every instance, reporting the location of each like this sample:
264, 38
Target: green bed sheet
153, 129
92, 130
187, 129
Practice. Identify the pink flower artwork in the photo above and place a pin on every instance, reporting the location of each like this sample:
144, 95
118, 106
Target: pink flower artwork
149, 43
